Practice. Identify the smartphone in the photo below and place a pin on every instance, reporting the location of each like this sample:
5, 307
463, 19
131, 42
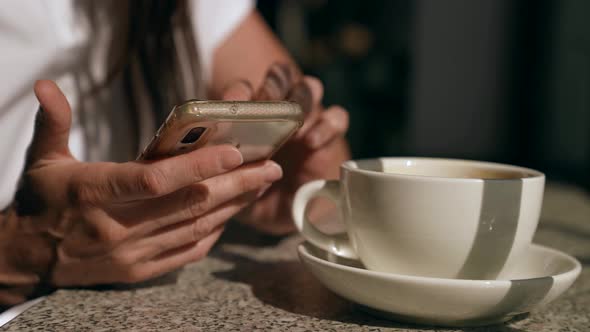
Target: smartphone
256, 128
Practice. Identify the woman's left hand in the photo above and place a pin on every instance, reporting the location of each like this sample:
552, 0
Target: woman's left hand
315, 151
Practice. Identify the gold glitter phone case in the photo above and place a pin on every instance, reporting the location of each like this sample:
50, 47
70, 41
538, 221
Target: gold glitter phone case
256, 128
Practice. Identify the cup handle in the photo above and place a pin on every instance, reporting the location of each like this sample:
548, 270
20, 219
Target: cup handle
331, 243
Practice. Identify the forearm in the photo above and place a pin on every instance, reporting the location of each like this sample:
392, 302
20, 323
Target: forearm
246, 55
26, 257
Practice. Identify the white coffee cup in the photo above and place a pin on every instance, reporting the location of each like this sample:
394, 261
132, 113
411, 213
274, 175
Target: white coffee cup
429, 217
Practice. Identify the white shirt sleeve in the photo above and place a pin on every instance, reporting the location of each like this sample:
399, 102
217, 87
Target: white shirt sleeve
49, 44
33, 48
213, 21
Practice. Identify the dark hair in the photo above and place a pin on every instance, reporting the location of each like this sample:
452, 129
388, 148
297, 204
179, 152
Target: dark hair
162, 42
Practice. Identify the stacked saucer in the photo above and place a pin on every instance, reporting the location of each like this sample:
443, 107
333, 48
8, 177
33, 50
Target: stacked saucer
442, 241
541, 275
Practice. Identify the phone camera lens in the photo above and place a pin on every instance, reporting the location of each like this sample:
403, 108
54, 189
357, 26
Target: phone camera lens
193, 135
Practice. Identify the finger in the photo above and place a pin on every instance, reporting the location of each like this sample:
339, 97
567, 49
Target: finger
84, 272
308, 94
125, 265
240, 90
110, 182
197, 200
172, 259
277, 83
53, 121
316, 88
302, 95
121, 267
190, 231
332, 124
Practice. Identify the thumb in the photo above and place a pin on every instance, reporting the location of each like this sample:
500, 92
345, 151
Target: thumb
52, 125
239, 90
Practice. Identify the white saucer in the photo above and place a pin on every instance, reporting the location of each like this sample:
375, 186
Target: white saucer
543, 275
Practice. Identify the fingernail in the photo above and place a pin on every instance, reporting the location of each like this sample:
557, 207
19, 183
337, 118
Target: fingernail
230, 158
271, 88
301, 94
286, 69
280, 75
273, 171
275, 85
240, 90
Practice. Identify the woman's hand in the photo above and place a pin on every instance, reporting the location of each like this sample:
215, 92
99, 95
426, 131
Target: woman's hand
316, 151
99, 223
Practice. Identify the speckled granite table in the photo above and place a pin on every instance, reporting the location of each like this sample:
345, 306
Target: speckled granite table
259, 284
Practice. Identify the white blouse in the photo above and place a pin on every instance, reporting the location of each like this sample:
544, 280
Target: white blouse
65, 41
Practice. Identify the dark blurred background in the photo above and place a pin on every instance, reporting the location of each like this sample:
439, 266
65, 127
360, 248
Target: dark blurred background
497, 80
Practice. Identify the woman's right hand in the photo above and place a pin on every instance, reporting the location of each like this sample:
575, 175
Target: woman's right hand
125, 222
